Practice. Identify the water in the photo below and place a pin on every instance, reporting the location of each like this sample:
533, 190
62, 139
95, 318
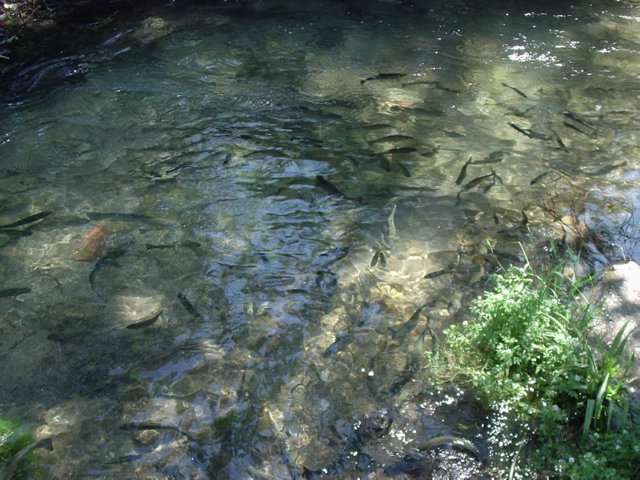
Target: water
223, 286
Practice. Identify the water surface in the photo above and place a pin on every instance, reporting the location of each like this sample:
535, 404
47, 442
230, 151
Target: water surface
250, 201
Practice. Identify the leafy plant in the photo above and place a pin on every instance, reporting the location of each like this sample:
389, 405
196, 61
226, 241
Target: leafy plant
527, 349
13, 438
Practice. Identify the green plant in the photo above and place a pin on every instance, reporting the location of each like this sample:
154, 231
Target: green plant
527, 350
522, 345
13, 437
606, 366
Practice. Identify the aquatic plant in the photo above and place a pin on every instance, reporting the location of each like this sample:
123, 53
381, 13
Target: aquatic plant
528, 348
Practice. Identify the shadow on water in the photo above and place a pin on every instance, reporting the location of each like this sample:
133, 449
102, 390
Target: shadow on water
263, 217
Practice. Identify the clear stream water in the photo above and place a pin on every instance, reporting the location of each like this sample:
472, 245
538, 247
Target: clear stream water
249, 201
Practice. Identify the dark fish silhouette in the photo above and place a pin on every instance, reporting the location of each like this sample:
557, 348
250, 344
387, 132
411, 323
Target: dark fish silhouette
14, 292
519, 92
25, 221
144, 323
391, 139
463, 172
383, 76
494, 157
188, 306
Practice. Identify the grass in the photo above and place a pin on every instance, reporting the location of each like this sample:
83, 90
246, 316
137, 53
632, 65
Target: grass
527, 349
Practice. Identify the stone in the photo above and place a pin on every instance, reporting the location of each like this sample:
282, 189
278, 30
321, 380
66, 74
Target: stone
619, 290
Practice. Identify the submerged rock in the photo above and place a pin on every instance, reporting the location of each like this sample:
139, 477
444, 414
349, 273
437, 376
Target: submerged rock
153, 28
92, 246
133, 309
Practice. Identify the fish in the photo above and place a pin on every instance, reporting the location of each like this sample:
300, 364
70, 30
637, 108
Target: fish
109, 259
495, 178
420, 82
132, 426
270, 152
441, 86
608, 169
561, 144
375, 258
508, 256
431, 152
14, 232
463, 172
188, 306
519, 92
167, 173
399, 150
414, 465
539, 178
453, 134
14, 292
539, 135
476, 181
403, 168
579, 129
383, 76
144, 323
519, 129
404, 378
493, 157
384, 162
391, 139
382, 394
8, 470
530, 133
401, 333
437, 273
124, 217
457, 442
373, 126
576, 118
125, 459
25, 221
173, 245
391, 222
328, 187
383, 260
342, 338
8, 173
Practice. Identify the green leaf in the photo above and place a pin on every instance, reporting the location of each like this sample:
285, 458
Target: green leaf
588, 416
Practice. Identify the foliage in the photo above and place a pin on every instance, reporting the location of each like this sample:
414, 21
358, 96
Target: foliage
15, 13
13, 437
527, 347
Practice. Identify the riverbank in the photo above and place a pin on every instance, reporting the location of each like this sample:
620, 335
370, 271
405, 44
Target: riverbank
619, 291
31, 24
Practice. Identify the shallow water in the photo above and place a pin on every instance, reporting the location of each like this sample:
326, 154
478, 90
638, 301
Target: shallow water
245, 216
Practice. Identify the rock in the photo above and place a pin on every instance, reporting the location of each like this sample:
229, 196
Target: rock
92, 246
153, 28
619, 291
131, 309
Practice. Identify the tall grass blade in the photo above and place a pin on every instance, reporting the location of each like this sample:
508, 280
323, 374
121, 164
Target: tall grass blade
600, 397
588, 416
610, 412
